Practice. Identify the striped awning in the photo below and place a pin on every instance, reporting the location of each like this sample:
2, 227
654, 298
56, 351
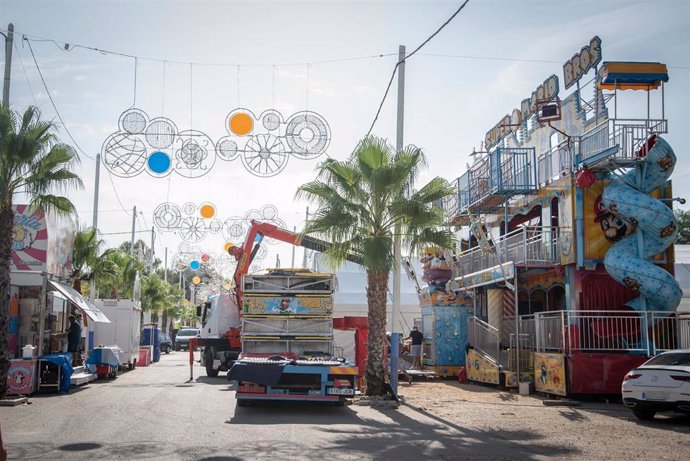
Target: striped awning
632, 75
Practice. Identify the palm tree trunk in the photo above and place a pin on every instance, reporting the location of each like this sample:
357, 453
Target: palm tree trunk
164, 326
377, 295
6, 224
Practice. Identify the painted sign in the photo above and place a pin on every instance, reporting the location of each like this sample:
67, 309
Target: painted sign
549, 373
20, 377
480, 369
29, 239
511, 123
582, 62
488, 276
283, 305
41, 242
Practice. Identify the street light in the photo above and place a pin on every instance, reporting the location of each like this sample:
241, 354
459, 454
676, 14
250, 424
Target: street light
9, 37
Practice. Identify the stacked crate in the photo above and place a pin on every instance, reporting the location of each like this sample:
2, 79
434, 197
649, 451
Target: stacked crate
288, 313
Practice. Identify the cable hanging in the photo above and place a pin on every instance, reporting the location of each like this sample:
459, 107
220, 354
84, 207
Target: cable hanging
57, 113
395, 69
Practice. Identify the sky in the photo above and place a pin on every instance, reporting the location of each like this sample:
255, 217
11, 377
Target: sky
197, 61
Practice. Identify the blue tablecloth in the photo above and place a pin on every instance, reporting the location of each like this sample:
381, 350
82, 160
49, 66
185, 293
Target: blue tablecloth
103, 356
64, 361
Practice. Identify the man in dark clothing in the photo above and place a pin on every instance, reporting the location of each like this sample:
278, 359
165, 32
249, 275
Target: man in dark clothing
417, 338
73, 339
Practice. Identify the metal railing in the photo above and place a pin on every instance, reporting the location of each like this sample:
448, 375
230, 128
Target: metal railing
624, 331
555, 163
628, 134
535, 246
483, 337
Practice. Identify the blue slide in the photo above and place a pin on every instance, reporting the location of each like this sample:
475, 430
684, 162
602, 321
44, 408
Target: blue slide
628, 261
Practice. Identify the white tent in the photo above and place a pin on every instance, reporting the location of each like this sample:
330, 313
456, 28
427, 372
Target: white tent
682, 269
351, 296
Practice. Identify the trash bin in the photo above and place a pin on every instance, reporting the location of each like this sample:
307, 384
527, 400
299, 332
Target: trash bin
525, 388
151, 337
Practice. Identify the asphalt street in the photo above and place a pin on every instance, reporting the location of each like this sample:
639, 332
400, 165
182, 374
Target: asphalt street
157, 413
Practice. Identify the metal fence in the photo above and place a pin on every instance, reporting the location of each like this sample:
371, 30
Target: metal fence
528, 246
483, 337
624, 331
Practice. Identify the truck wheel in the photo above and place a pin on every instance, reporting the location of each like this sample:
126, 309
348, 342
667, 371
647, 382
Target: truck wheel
340, 402
208, 361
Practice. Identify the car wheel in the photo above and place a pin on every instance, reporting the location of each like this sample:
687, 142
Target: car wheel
167, 349
644, 414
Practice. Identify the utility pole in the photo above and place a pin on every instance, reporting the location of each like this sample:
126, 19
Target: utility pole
397, 256
134, 228
153, 241
304, 259
294, 228
9, 39
94, 222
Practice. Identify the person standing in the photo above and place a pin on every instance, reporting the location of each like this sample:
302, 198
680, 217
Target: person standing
74, 339
417, 338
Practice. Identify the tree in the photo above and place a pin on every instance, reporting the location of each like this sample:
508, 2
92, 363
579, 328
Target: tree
362, 202
683, 218
34, 163
122, 285
89, 262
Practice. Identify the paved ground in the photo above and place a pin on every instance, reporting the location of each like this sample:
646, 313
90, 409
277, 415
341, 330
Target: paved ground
154, 413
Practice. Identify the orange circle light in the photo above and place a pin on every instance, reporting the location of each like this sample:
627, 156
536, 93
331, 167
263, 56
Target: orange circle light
241, 124
207, 211
228, 246
196, 280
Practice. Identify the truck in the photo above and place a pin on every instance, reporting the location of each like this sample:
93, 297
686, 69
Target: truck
275, 331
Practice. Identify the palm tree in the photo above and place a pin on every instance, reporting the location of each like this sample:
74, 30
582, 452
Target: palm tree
32, 162
88, 262
122, 286
362, 203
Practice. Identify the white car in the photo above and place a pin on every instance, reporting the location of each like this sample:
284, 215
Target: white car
662, 383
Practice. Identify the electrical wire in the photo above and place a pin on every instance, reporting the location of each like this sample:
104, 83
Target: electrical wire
57, 112
26, 76
67, 47
117, 196
395, 69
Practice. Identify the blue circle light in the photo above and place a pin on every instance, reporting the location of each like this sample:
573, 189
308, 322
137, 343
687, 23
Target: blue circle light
194, 265
159, 162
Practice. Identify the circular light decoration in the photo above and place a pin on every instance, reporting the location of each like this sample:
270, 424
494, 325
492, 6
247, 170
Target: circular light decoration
227, 246
240, 122
192, 229
264, 155
227, 149
269, 212
307, 135
195, 154
160, 133
159, 163
207, 211
188, 208
167, 216
194, 265
124, 155
271, 119
133, 121
205, 258
196, 280
215, 226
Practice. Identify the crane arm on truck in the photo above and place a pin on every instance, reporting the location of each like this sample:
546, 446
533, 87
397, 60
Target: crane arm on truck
258, 230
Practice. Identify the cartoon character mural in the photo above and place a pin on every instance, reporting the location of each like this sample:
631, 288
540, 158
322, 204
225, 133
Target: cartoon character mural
437, 271
614, 227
